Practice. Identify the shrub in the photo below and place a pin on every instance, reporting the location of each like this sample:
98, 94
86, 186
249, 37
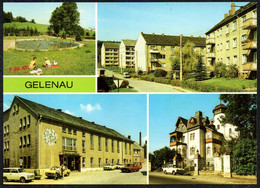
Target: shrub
220, 70
140, 72
159, 73
162, 80
63, 36
78, 38
176, 83
151, 79
232, 71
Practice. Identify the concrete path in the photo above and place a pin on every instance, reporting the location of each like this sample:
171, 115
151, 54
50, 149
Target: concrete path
146, 86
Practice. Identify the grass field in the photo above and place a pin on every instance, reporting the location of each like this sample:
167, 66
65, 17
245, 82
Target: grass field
247, 85
79, 61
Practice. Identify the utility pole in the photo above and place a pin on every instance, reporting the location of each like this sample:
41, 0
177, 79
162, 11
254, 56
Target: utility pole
181, 57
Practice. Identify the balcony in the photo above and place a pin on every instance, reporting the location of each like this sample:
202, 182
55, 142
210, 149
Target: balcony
210, 41
211, 55
154, 60
249, 44
250, 23
249, 66
154, 51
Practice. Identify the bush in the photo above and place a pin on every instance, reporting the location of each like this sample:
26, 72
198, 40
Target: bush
159, 73
140, 72
232, 71
78, 38
176, 83
63, 36
162, 80
220, 70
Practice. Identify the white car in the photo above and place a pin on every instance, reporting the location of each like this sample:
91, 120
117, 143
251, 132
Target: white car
109, 167
126, 75
172, 169
17, 174
119, 166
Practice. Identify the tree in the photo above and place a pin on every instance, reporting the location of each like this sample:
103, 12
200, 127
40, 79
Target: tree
78, 30
160, 156
241, 112
32, 21
20, 19
56, 20
200, 70
8, 17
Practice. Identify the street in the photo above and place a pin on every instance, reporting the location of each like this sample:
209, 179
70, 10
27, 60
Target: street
161, 178
146, 86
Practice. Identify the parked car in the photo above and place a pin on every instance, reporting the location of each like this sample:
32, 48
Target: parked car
139, 165
119, 166
17, 174
109, 167
172, 169
52, 172
130, 168
126, 75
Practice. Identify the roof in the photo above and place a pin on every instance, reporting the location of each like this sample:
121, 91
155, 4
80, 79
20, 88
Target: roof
111, 45
56, 115
136, 146
219, 106
230, 18
129, 42
170, 40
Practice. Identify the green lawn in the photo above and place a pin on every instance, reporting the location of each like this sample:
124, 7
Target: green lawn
42, 28
247, 85
79, 61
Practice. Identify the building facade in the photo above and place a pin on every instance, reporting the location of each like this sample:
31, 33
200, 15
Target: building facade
199, 135
234, 40
138, 156
154, 51
110, 54
127, 54
39, 137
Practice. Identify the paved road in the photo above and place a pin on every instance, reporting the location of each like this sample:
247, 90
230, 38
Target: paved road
161, 178
145, 86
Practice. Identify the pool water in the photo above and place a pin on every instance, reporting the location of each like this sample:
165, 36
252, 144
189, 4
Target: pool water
43, 44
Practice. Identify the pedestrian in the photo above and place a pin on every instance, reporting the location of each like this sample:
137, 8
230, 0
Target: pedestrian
57, 175
62, 168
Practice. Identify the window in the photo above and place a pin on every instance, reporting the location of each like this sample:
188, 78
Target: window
220, 46
14, 109
217, 47
163, 48
64, 129
69, 144
244, 58
83, 146
83, 162
228, 60
24, 141
129, 149
74, 132
106, 144
235, 60
255, 57
29, 162
234, 42
234, 25
118, 149
99, 162
192, 136
99, 143
243, 38
24, 122
24, 162
243, 20
112, 145
208, 150
83, 134
28, 139
192, 151
163, 56
125, 148
91, 141
21, 142
28, 120
4, 130
227, 29
69, 130
112, 162
106, 160
227, 45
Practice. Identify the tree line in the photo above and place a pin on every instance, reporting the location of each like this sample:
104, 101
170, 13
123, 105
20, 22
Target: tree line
14, 31
8, 18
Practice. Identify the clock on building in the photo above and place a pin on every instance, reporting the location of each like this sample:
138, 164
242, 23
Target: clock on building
50, 137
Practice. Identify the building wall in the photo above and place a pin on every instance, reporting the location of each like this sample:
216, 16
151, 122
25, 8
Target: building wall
122, 55
218, 51
140, 54
110, 56
15, 150
126, 56
103, 55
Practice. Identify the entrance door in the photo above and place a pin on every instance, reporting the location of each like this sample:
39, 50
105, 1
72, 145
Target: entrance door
77, 164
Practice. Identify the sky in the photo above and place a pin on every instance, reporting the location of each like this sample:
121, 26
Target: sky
126, 114
41, 12
117, 21
165, 109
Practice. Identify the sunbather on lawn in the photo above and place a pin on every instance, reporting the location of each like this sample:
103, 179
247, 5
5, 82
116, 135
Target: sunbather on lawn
33, 63
47, 63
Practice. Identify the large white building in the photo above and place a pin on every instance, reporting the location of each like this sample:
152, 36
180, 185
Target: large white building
201, 135
127, 54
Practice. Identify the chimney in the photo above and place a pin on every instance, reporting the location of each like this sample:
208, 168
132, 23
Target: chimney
59, 110
225, 15
140, 139
198, 114
129, 137
233, 9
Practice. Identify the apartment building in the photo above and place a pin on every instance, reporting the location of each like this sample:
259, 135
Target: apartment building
234, 40
138, 155
155, 51
201, 135
38, 137
110, 54
127, 53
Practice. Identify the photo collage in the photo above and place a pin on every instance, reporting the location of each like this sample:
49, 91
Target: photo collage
133, 93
